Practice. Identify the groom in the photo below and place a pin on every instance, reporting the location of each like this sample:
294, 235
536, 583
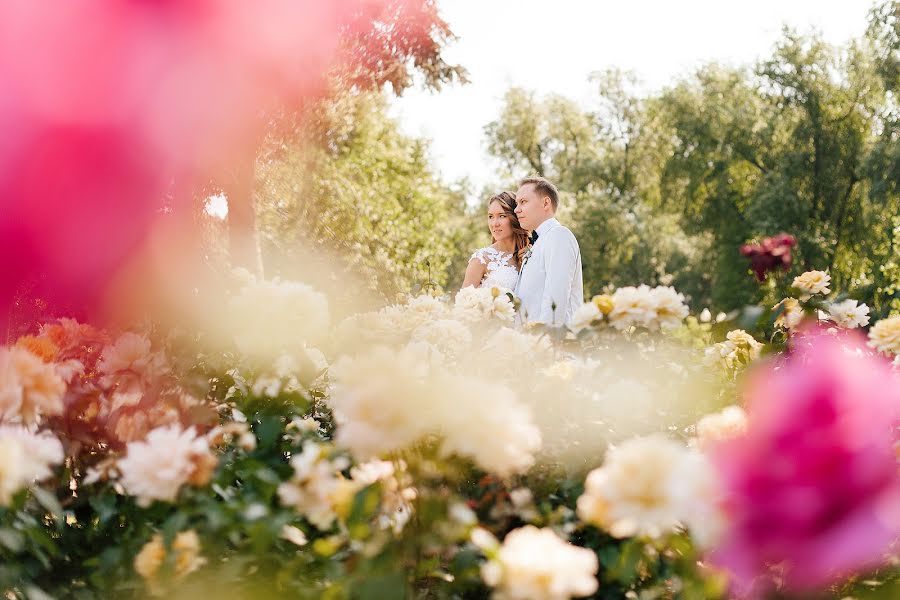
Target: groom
549, 283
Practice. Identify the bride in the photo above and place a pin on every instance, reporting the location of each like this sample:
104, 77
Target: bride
498, 265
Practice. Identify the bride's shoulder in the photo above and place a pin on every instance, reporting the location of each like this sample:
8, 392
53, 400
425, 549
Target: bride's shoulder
483, 255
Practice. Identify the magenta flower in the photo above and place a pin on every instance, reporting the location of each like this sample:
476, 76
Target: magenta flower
813, 487
770, 254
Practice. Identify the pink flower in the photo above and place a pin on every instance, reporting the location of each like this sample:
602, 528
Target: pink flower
813, 486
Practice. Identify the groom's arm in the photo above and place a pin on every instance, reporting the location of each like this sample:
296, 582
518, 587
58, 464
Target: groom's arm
560, 262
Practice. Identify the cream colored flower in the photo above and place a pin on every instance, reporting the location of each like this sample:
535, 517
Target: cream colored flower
156, 468
670, 307
316, 486
739, 349
25, 457
186, 554
535, 564
811, 283
646, 487
475, 304
585, 316
633, 306
791, 314
730, 422
517, 346
29, 387
849, 314
381, 400
884, 336
275, 317
449, 336
487, 423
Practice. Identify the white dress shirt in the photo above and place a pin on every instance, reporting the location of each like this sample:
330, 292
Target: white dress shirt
551, 276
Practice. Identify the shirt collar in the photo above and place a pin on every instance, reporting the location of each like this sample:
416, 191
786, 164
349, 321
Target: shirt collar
546, 225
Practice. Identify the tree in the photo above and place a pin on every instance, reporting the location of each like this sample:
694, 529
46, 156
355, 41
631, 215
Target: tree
382, 43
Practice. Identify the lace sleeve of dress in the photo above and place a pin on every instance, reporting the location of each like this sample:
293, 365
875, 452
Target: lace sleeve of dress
480, 255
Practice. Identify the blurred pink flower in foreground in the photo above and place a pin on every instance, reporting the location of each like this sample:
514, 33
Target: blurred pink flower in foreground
102, 104
813, 486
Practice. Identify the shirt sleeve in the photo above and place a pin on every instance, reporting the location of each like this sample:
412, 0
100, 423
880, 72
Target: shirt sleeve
560, 260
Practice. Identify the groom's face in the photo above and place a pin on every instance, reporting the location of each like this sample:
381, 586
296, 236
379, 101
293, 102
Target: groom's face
531, 209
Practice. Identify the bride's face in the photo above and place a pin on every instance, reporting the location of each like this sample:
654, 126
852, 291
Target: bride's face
498, 222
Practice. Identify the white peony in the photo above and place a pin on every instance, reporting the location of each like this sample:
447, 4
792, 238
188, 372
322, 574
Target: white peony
29, 387
811, 283
487, 423
633, 306
476, 304
849, 314
535, 564
157, 467
315, 486
381, 400
585, 316
274, 317
728, 423
25, 457
646, 487
669, 306
449, 336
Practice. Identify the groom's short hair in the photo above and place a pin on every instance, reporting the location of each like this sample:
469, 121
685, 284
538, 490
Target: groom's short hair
544, 188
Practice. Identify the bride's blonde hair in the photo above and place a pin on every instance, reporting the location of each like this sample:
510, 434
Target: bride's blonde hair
507, 201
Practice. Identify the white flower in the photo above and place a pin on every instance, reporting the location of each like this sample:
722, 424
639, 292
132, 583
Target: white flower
379, 399
293, 535
633, 306
791, 314
25, 457
156, 468
315, 486
646, 487
29, 387
884, 336
739, 349
449, 336
812, 282
670, 307
277, 317
488, 424
475, 304
728, 423
517, 346
535, 564
849, 314
584, 316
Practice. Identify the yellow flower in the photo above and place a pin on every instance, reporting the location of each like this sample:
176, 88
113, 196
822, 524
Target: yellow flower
604, 303
884, 336
149, 561
792, 314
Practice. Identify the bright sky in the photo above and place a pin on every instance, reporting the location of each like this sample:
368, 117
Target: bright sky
555, 45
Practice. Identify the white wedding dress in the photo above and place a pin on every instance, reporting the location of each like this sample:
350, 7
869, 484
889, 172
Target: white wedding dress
500, 271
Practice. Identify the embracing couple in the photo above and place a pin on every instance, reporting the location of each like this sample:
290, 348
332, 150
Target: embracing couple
533, 255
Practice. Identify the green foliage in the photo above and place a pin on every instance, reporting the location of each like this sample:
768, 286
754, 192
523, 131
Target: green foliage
348, 180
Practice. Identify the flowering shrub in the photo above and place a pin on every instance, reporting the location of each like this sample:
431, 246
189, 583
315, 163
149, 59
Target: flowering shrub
434, 448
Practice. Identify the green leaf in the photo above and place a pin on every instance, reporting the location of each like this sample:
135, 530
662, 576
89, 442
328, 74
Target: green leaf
49, 501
